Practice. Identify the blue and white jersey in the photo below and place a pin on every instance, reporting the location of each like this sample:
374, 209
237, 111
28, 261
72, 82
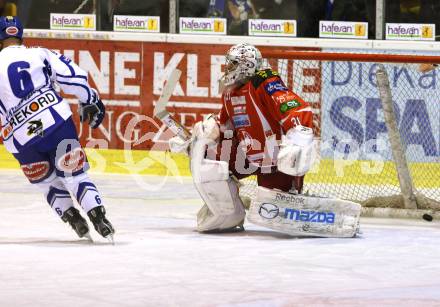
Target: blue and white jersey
30, 108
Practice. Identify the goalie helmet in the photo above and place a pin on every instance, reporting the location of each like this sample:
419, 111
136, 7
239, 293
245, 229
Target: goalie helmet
242, 62
10, 27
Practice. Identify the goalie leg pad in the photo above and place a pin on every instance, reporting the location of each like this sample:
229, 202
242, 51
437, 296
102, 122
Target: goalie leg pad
207, 222
223, 207
301, 215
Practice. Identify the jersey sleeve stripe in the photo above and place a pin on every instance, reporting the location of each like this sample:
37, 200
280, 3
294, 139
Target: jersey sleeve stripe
71, 77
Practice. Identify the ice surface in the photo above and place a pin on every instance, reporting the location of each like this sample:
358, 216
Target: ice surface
159, 260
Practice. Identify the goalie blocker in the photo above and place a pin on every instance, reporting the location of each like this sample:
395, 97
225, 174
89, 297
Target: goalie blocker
301, 215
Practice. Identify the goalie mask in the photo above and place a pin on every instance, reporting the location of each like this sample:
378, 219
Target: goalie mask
242, 62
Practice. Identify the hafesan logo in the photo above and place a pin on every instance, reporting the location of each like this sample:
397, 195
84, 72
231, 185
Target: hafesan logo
410, 31
127, 23
73, 22
343, 29
272, 27
202, 25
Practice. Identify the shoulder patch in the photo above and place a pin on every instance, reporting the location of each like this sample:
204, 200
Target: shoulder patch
286, 106
262, 75
275, 86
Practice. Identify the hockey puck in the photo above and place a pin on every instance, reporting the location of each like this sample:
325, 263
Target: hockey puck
427, 217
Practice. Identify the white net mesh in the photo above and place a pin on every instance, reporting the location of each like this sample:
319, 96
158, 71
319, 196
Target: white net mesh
356, 160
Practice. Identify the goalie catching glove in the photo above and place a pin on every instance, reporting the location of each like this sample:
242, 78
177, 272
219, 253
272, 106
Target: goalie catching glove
93, 112
297, 151
207, 130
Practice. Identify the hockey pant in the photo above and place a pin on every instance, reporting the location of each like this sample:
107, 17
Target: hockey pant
57, 165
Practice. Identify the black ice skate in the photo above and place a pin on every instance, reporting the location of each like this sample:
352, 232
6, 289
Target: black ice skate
77, 222
101, 224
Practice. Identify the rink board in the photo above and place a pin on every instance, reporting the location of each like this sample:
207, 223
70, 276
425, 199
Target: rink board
142, 162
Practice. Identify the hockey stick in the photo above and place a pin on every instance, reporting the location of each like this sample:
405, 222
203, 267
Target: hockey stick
160, 109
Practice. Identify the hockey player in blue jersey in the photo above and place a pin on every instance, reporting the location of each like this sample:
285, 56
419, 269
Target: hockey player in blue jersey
37, 126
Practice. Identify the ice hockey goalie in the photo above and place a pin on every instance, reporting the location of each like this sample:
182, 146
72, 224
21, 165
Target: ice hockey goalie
263, 129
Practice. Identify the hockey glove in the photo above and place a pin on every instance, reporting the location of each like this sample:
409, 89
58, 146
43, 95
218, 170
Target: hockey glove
93, 112
297, 151
178, 145
206, 129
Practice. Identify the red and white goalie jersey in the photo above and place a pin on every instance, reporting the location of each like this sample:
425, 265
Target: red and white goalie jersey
260, 112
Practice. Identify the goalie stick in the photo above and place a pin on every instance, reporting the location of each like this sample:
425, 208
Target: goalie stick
165, 117
160, 109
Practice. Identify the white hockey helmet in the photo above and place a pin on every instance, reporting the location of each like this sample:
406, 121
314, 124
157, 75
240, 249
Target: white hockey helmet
242, 62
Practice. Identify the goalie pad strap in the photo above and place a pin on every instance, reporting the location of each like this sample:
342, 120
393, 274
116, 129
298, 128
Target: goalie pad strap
301, 215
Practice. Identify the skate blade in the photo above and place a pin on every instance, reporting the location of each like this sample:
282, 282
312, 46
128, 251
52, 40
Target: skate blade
88, 237
110, 239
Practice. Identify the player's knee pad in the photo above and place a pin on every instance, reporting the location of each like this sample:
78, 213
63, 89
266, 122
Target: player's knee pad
84, 191
301, 215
